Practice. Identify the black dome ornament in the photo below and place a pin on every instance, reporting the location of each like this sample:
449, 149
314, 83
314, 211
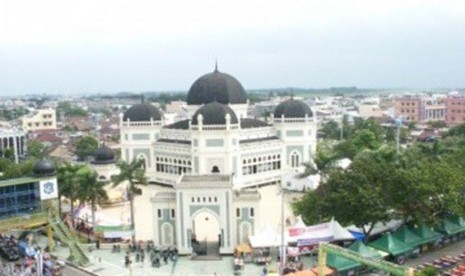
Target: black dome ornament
292, 109
214, 114
44, 167
104, 155
143, 112
216, 86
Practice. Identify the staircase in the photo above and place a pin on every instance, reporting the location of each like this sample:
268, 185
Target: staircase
77, 254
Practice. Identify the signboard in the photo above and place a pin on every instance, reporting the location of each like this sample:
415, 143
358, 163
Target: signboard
48, 189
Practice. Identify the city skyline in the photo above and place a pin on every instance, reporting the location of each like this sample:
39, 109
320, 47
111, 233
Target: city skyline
97, 47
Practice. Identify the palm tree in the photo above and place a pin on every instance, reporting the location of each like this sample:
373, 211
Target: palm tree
92, 190
134, 173
68, 183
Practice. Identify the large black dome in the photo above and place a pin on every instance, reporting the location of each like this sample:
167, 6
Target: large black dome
104, 155
44, 167
292, 109
214, 114
142, 112
216, 86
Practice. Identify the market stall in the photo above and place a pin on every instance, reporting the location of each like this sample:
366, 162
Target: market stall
398, 250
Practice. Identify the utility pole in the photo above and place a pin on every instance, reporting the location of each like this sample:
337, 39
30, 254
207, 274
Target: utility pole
283, 247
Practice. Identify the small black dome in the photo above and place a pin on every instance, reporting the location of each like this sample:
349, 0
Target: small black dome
142, 112
44, 167
292, 109
104, 155
216, 86
214, 114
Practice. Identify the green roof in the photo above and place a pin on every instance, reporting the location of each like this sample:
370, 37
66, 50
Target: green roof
364, 250
388, 243
404, 234
112, 228
426, 234
340, 263
457, 220
21, 180
449, 227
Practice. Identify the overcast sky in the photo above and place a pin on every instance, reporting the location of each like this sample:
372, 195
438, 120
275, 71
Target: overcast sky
90, 46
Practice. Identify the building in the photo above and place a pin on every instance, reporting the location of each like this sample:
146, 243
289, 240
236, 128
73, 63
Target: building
13, 139
435, 112
455, 110
410, 108
40, 119
367, 110
215, 162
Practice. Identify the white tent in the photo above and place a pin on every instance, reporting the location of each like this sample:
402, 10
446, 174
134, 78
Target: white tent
339, 232
299, 222
328, 231
379, 227
266, 238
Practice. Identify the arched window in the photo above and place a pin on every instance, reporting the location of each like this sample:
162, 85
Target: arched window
295, 159
215, 169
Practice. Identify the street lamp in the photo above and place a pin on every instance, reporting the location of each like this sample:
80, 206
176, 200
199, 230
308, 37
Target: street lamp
283, 245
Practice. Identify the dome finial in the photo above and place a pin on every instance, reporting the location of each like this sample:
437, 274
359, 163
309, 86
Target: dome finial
216, 65
142, 98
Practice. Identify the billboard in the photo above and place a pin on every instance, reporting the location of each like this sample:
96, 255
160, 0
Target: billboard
48, 189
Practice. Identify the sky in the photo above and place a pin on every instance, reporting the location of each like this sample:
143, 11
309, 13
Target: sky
98, 46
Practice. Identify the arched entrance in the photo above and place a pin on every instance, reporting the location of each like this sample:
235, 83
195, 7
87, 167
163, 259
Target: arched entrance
206, 233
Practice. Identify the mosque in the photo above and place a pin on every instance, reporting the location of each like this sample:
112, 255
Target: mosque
215, 163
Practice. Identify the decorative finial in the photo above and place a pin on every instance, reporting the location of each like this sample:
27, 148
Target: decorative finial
216, 65
142, 98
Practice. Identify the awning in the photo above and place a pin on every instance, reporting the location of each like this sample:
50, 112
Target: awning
426, 234
364, 250
404, 234
388, 243
340, 263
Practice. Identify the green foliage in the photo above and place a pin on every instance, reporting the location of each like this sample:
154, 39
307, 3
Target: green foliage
437, 124
69, 179
421, 184
86, 147
35, 149
134, 174
70, 110
13, 114
428, 271
10, 169
456, 131
331, 130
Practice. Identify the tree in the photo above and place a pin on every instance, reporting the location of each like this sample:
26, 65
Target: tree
134, 174
69, 183
331, 130
86, 147
35, 149
92, 190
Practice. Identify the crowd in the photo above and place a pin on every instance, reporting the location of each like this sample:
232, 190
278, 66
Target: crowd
158, 256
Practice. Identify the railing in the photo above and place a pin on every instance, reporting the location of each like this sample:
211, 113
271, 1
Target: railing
77, 254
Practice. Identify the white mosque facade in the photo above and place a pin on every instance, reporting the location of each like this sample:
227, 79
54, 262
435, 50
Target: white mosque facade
215, 162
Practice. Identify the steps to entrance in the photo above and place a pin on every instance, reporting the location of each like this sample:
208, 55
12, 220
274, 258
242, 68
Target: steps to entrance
77, 254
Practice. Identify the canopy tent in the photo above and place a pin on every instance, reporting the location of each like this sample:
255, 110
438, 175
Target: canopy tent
340, 263
364, 250
388, 243
328, 231
299, 223
448, 227
458, 220
407, 236
266, 238
426, 234
339, 232
243, 248
111, 232
378, 228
